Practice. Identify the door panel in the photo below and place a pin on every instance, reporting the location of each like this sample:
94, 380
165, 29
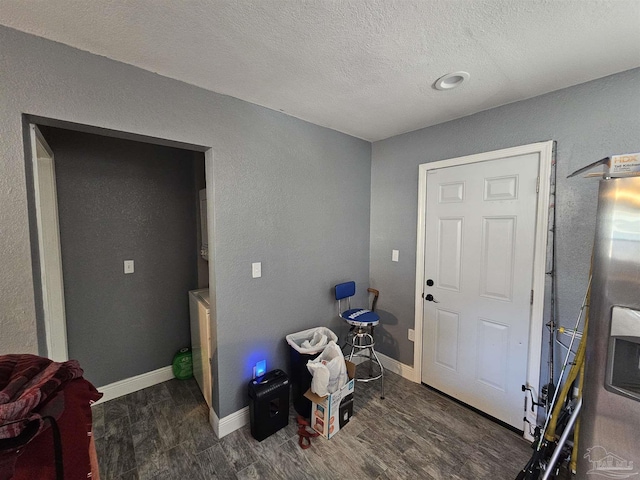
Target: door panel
498, 246
451, 192
447, 339
501, 188
449, 253
493, 348
480, 232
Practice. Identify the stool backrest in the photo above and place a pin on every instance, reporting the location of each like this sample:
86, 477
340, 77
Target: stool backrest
344, 290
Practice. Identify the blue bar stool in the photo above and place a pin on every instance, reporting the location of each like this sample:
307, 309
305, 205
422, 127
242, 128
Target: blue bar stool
360, 336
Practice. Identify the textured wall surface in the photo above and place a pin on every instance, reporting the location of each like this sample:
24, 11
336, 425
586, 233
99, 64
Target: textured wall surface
289, 194
588, 121
122, 200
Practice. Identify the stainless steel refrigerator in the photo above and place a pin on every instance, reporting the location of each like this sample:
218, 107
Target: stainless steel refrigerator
609, 440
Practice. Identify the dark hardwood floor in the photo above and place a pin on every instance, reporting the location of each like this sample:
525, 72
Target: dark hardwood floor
163, 432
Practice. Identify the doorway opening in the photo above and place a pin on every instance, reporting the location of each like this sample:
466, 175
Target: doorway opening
102, 201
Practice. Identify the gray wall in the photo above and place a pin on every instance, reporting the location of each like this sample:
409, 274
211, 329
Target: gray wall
290, 194
123, 200
588, 121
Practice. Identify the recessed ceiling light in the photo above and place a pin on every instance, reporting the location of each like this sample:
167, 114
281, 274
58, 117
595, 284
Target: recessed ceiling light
451, 80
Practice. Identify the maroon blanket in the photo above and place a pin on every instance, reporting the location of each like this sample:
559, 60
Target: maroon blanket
36, 460
26, 382
31, 388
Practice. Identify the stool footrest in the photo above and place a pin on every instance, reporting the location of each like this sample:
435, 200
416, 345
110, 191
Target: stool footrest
362, 344
365, 380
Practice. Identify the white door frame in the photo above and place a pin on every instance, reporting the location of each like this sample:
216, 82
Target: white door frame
51, 281
545, 151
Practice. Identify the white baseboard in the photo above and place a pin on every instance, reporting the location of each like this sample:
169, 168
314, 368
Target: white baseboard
214, 421
133, 384
230, 423
393, 365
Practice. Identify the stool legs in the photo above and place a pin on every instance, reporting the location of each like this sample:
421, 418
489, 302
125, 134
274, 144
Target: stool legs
371, 350
371, 357
362, 340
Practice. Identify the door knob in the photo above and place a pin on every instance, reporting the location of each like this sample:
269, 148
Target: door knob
429, 283
429, 298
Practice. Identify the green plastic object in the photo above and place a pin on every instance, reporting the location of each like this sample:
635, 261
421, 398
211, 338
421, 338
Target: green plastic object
183, 364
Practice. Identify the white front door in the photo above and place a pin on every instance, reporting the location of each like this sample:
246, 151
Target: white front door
478, 272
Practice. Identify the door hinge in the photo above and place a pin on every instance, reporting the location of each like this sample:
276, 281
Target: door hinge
531, 297
537, 184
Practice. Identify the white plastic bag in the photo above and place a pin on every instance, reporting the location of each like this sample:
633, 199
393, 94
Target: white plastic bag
318, 340
328, 370
296, 340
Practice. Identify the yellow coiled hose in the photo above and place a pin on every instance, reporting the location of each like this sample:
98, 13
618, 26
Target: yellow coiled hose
576, 368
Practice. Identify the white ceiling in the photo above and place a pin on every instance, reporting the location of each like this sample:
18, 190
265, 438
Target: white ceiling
363, 67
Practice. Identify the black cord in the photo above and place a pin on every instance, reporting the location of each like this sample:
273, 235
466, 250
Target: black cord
57, 447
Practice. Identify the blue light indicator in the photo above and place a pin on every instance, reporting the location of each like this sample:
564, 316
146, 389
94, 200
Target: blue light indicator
261, 368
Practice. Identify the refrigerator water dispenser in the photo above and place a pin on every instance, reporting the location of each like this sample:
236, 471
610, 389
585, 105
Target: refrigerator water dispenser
623, 365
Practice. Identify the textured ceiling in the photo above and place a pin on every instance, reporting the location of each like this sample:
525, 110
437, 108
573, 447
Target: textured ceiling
363, 67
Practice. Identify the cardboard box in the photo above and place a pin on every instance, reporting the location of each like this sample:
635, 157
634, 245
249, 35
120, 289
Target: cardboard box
331, 413
627, 165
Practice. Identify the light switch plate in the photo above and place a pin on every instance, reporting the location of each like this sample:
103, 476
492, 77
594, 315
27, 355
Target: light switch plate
412, 335
256, 269
394, 255
128, 266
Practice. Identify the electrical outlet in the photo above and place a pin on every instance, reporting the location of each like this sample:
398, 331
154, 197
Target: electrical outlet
128, 266
412, 335
256, 270
394, 255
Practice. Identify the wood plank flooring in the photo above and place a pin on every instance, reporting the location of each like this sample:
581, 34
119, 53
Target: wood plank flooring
163, 432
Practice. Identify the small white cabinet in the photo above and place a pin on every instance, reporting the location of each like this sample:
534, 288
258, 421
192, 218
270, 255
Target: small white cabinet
201, 340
